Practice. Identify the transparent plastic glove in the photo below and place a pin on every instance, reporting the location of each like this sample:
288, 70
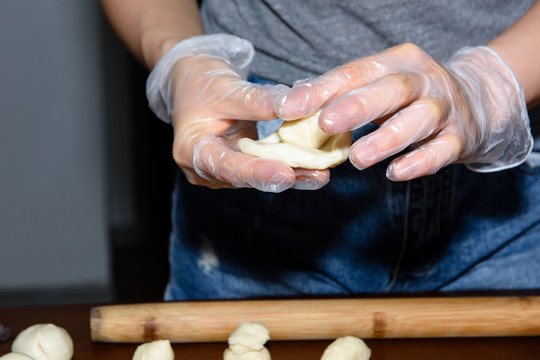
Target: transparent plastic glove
200, 86
470, 110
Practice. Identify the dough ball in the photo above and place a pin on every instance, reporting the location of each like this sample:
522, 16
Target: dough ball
249, 336
15, 356
247, 342
347, 348
44, 342
155, 350
262, 354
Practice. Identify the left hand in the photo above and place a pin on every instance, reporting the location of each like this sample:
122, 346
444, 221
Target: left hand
471, 110
199, 86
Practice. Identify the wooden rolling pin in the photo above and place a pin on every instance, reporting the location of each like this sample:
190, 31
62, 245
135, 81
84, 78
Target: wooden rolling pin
213, 321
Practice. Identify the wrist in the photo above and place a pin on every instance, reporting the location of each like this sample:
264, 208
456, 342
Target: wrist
235, 51
155, 44
496, 101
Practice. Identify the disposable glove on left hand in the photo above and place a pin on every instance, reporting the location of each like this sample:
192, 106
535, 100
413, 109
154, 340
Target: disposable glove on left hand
200, 86
470, 110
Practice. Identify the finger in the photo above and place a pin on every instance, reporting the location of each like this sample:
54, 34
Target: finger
193, 178
307, 179
304, 98
416, 122
214, 160
363, 105
264, 175
308, 96
248, 101
427, 159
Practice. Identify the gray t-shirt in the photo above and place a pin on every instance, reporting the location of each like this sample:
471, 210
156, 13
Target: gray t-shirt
298, 39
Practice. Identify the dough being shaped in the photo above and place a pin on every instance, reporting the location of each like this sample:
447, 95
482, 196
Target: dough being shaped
15, 356
155, 350
301, 144
247, 342
304, 133
347, 348
44, 342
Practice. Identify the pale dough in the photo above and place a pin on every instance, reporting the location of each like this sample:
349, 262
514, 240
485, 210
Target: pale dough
155, 350
301, 144
15, 356
347, 348
304, 133
262, 354
247, 342
44, 342
248, 336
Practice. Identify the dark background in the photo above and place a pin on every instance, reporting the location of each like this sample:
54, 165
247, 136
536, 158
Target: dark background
140, 148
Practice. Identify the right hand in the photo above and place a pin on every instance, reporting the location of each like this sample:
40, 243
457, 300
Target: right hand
211, 108
470, 110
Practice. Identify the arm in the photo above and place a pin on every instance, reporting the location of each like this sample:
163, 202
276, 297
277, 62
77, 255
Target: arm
518, 46
198, 84
151, 28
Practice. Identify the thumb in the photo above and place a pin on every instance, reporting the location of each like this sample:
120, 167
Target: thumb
255, 102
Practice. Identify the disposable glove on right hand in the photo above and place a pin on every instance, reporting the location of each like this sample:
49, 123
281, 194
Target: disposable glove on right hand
470, 110
200, 86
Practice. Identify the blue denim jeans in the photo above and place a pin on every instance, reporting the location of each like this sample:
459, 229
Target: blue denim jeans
361, 233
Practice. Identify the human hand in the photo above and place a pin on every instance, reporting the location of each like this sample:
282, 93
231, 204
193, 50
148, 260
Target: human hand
199, 86
470, 110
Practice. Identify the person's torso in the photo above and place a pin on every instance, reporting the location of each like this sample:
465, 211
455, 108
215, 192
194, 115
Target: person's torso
300, 39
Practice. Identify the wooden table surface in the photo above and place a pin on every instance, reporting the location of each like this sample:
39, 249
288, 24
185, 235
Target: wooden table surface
75, 319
